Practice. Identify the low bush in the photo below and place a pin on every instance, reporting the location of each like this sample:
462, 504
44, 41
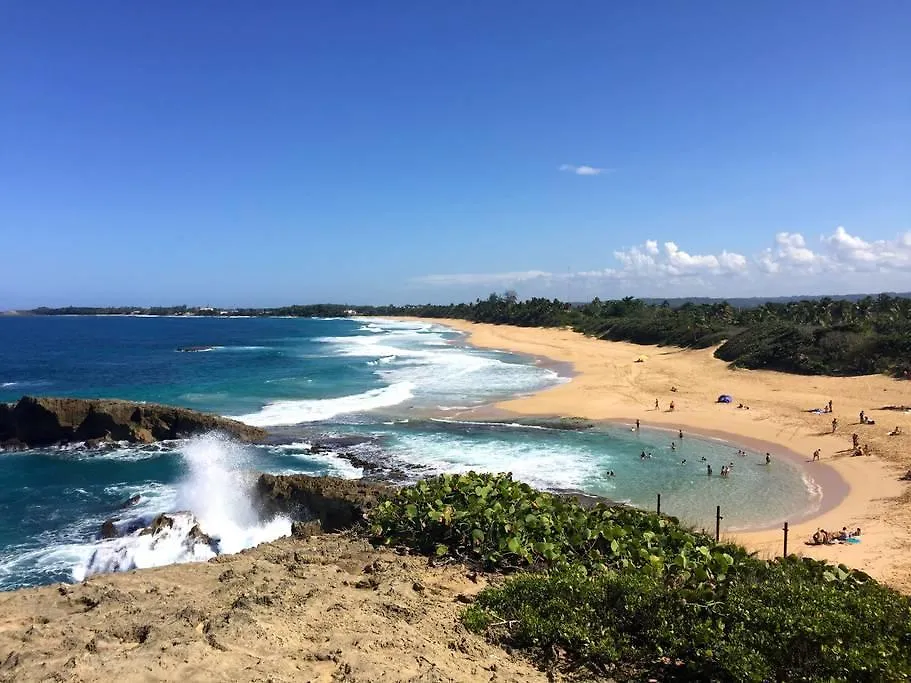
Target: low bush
630, 593
505, 524
781, 624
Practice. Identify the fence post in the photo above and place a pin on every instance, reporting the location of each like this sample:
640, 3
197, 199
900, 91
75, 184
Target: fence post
659, 503
718, 519
785, 539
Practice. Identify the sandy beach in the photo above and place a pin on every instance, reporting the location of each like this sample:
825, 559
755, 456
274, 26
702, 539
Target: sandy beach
860, 492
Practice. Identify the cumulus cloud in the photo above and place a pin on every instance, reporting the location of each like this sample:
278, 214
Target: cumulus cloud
648, 260
822, 265
583, 170
840, 251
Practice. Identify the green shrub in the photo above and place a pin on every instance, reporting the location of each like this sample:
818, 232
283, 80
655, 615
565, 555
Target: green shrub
631, 593
505, 524
781, 623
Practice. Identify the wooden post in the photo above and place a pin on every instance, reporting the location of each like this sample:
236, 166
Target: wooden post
659, 503
785, 539
718, 519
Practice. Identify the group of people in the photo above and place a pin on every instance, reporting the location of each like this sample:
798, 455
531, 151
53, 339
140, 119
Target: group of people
823, 537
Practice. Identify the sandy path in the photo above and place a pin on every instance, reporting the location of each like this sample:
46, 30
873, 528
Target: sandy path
610, 385
327, 609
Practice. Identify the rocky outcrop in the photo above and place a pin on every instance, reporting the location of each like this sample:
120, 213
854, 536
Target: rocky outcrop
34, 422
335, 503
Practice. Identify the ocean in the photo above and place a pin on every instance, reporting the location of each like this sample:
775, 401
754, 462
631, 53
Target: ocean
391, 394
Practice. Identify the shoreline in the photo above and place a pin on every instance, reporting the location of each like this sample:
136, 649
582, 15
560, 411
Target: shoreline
860, 492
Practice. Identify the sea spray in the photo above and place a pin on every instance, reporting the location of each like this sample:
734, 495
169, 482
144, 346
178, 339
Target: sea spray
217, 515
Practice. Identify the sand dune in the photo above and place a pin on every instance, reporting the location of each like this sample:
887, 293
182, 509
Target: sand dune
857, 491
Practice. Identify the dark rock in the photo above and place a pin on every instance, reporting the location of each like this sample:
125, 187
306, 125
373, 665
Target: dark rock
130, 502
306, 529
160, 523
337, 503
109, 529
197, 535
46, 421
102, 441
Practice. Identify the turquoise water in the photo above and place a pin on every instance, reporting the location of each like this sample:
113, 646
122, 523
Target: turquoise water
361, 388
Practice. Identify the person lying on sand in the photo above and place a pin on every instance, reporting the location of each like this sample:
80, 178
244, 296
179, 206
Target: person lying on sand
896, 431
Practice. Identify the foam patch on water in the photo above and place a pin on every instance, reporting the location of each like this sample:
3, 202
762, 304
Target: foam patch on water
544, 465
282, 413
442, 372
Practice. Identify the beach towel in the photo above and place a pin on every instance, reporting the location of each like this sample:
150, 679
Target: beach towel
852, 540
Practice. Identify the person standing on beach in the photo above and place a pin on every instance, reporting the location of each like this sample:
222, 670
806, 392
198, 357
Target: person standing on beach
834, 424
656, 404
637, 425
816, 455
830, 405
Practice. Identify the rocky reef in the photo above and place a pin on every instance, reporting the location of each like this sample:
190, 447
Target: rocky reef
335, 503
33, 422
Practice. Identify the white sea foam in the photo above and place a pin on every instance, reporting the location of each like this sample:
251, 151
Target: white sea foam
544, 465
423, 354
297, 412
214, 495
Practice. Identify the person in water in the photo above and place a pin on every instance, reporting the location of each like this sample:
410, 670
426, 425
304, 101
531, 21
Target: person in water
768, 459
708, 470
680, 433
673, 446
637, 425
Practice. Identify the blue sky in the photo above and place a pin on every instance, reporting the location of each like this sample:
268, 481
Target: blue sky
239, 153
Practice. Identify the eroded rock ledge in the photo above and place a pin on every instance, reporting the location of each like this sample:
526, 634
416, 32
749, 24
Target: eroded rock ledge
33, 422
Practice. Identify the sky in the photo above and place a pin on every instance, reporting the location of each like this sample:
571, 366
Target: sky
233, 153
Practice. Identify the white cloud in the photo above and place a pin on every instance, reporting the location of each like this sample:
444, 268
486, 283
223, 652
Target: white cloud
647, 260
583, 170
487, 279
842, 263
857, 254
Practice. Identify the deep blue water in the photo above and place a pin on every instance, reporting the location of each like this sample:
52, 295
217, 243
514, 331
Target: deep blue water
388, 389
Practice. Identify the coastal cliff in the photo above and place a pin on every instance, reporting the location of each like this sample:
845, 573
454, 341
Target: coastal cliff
33, 422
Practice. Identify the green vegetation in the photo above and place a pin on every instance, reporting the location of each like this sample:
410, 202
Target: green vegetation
824, 336
626, 593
